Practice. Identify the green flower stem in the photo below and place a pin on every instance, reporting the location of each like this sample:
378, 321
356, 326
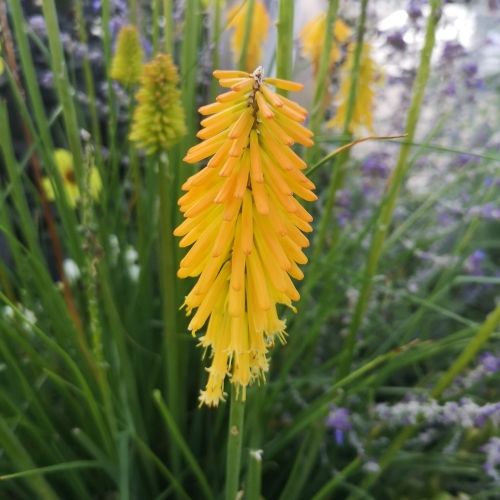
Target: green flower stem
89, 83
234, 445
111, 181
216, 33
90, 280
254, 475
168, 33
169, 287
318, 109
250, 4
284, 49
156, 26
338, 176
394, 185
63, 86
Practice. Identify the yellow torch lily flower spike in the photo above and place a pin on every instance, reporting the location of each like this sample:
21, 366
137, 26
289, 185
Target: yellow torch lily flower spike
362, 117
257, 35
244, 225
158, 122
312, 37
126, 65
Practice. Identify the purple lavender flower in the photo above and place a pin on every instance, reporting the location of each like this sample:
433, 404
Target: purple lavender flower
339, 420
492, 450
464, 159
450, 89
414, 9
470, 69
396, 40
474, 263
451, 51
375, 165
490, 362
490, 211
37, 24
488, 412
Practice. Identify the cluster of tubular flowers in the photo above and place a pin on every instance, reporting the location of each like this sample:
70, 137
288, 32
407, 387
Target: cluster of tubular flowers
312, 38
244, 225
158, 121
126, 65
257, 33
64, 163
362, 117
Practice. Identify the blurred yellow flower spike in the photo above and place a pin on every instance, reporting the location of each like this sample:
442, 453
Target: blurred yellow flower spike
244, 225
312, 38
257, 35
369, 74
2, 65
64, 163
158, 121
126, 65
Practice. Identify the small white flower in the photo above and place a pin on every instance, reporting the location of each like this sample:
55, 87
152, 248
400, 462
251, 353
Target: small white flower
134, 271
131, 255
71, 270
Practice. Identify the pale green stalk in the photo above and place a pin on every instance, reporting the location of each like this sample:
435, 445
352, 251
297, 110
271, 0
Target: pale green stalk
177, 438
216, 33
234, 445
337, 180
394, 185
254, 478
169, 296
318, 108
168, 33
246, 35
63, 86
21, 460
156, 25
89, 82
284, 48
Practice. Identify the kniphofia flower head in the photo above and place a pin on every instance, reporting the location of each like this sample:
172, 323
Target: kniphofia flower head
258, 31
126, 65
158, 122
362, 116
244, 225
64, 163
312, 37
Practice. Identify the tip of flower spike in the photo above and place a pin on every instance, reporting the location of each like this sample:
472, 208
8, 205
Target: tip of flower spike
222, 74
285, 84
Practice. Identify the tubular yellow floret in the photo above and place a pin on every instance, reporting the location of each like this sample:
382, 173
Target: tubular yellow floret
244, 226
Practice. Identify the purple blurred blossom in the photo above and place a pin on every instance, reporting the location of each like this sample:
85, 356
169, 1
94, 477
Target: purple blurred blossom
490, 362
490, 211
396, 40
450, 89
47, 79
376, 165
464, 413
492, 463
470, 69
493, 5
414, 9
451, 51
339, 420
37, 24
464, 159
474, 263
